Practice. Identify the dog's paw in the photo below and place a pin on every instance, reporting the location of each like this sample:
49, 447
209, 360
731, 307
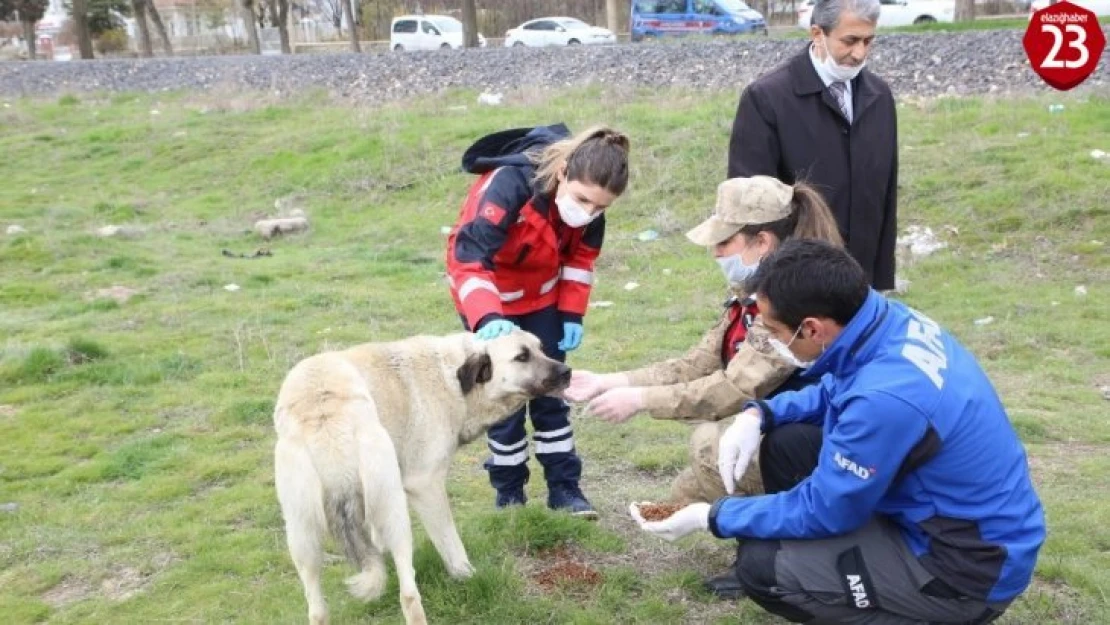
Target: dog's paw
461, 571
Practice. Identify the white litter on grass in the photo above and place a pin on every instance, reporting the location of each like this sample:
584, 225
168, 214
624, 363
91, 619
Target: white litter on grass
457, 108
667, 272
490, 99
16, 229
984, 321
1055, 303
155, 112
601, 304
445, 230
631, 286
1098, 154
1105, 392
1055, 108
921, 241
231, 287
1080, 291
648, 235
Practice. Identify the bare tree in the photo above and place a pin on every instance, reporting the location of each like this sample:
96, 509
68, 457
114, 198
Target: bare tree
965, 10
279, 16
80, 12
612, 15
27, 12
470, 24
246, 13
349, 13
332, 10
146, 48
155, 17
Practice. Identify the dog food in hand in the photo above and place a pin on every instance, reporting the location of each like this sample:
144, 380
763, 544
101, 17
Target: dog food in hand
658, 512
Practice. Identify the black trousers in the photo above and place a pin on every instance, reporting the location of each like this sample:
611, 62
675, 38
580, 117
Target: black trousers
804, 581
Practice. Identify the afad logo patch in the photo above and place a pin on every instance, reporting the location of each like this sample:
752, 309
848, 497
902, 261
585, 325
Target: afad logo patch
492, 212
863, 473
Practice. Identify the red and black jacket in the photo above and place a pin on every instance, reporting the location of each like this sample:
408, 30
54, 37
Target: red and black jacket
509, 253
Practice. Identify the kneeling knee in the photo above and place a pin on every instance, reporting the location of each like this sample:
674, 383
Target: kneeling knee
755, 568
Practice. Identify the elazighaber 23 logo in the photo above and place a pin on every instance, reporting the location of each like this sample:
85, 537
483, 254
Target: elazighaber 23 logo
1064, 43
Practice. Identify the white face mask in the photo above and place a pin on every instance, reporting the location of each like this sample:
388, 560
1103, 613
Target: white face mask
572, 212
838, 71
736, 270
784, 350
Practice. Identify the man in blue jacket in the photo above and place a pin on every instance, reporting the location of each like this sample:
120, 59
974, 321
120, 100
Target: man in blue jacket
918, 505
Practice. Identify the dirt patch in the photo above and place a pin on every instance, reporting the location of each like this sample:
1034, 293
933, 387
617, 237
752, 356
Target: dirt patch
124, 583
68, 591
6, 411
118, 293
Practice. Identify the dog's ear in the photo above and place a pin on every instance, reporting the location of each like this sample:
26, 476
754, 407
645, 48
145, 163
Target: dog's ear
478, 369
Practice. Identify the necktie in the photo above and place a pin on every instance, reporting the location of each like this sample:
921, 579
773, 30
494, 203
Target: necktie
840, 92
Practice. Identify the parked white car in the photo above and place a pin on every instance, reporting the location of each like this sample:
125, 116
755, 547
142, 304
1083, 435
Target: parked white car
1098, 7
557, 31
427, 32
898, 12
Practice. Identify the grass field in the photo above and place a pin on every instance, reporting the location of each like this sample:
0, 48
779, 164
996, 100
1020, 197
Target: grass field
136, 436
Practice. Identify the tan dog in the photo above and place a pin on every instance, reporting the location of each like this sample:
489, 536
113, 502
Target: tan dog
365, 431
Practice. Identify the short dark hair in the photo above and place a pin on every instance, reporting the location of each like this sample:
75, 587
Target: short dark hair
810, 278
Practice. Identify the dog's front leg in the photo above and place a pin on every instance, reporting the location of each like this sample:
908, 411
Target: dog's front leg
428, 495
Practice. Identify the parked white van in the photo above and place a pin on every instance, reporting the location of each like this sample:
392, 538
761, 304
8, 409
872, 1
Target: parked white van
427, 32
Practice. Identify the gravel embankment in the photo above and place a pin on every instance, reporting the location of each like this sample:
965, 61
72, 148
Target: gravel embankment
915, 65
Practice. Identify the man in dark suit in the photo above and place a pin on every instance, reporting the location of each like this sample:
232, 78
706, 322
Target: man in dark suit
823, 118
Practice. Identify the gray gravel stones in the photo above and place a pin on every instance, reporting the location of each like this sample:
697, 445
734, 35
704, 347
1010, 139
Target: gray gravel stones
973, 62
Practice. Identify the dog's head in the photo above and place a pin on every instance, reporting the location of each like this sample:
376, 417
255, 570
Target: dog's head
510, 367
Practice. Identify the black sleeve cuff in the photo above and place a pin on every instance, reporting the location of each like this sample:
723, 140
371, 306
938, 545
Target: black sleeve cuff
488, 318
766, 417
713, 517
572, 318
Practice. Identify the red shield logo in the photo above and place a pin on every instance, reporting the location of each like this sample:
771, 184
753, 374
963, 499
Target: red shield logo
1064, 43
493, 213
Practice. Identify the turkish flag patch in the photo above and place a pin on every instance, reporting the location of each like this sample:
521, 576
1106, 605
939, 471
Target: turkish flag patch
492, 212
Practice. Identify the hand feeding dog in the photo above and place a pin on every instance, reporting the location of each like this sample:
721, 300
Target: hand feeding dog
366, 431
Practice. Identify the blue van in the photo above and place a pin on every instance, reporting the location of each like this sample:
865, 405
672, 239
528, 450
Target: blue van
656, 18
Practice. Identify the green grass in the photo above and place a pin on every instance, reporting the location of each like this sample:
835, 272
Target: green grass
136, 439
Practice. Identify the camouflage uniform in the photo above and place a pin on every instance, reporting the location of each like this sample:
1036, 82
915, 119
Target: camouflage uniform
699, 389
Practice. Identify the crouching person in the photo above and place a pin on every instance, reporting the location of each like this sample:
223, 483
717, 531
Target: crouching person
917, 504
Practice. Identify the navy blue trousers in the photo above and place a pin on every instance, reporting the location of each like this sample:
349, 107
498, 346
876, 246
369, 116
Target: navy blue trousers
551, 432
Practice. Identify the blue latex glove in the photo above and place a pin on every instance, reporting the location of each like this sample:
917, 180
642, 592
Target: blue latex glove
572, 336
496, 328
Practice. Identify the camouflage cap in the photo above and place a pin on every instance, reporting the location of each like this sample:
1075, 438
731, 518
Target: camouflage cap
742, 202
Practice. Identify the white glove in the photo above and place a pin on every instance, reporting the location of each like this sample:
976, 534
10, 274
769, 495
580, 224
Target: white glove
585, 385
617, 405
688, 520
737, 447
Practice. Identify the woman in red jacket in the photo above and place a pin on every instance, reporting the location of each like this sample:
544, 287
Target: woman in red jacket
522, 255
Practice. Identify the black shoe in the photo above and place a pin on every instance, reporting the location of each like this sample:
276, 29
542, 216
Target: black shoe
569, 497
511, 497
726, 586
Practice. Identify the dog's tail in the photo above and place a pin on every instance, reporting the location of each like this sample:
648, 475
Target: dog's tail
347, 521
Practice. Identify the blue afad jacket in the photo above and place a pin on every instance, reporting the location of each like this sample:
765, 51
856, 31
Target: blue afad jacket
913, 430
